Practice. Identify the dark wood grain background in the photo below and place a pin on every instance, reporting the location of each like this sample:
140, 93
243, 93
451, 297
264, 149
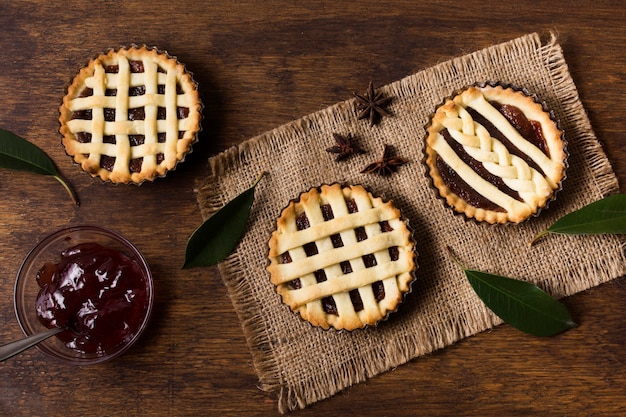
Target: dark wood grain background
259, 65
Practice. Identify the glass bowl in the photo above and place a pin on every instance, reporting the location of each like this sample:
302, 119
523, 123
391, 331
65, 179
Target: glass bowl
49, 251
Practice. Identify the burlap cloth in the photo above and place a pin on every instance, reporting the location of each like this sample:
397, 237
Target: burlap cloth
302, 364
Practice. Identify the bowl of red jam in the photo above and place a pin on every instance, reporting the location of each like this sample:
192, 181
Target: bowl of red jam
93, 283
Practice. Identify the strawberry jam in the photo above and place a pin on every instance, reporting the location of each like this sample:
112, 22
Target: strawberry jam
98, 294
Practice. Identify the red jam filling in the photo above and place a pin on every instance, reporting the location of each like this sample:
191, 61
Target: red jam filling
98, 294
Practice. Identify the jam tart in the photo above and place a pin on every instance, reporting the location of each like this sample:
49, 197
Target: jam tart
495, 154
130, 115
341, 258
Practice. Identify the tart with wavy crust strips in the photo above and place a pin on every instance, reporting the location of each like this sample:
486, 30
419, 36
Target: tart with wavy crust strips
341, 258
495, 154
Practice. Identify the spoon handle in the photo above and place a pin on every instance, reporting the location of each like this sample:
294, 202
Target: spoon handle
13, 348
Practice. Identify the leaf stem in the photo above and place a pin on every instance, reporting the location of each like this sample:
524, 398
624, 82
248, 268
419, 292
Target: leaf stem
537, 237
69, 190
259, 178
455, 259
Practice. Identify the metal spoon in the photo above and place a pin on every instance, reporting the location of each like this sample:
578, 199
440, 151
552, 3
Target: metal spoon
13, 348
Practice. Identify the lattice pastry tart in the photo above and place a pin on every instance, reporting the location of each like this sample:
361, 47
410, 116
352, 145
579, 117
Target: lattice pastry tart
130, 115
495, 154
341, 257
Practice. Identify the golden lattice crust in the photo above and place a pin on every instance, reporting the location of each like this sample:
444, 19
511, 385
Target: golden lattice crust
130, 115
341, 258
526, 176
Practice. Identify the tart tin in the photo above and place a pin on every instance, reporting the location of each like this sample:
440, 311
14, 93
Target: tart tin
544, 108
413, 273
160, 52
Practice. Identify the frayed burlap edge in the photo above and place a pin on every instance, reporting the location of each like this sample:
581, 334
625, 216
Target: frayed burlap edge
604, 175
254, 322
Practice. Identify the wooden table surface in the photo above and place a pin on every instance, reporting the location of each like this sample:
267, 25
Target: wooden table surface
259, 65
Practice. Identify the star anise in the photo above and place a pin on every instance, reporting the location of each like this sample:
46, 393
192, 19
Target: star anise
344, 147
371, 105
386, 165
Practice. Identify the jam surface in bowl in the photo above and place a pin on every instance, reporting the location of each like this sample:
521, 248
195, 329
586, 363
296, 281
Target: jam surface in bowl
93, 283
98, 294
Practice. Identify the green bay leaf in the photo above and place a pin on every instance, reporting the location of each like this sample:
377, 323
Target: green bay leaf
521, 304
218, 236
605, 216
19, 154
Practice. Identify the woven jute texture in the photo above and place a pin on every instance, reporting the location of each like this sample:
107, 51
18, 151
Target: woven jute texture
302, 364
